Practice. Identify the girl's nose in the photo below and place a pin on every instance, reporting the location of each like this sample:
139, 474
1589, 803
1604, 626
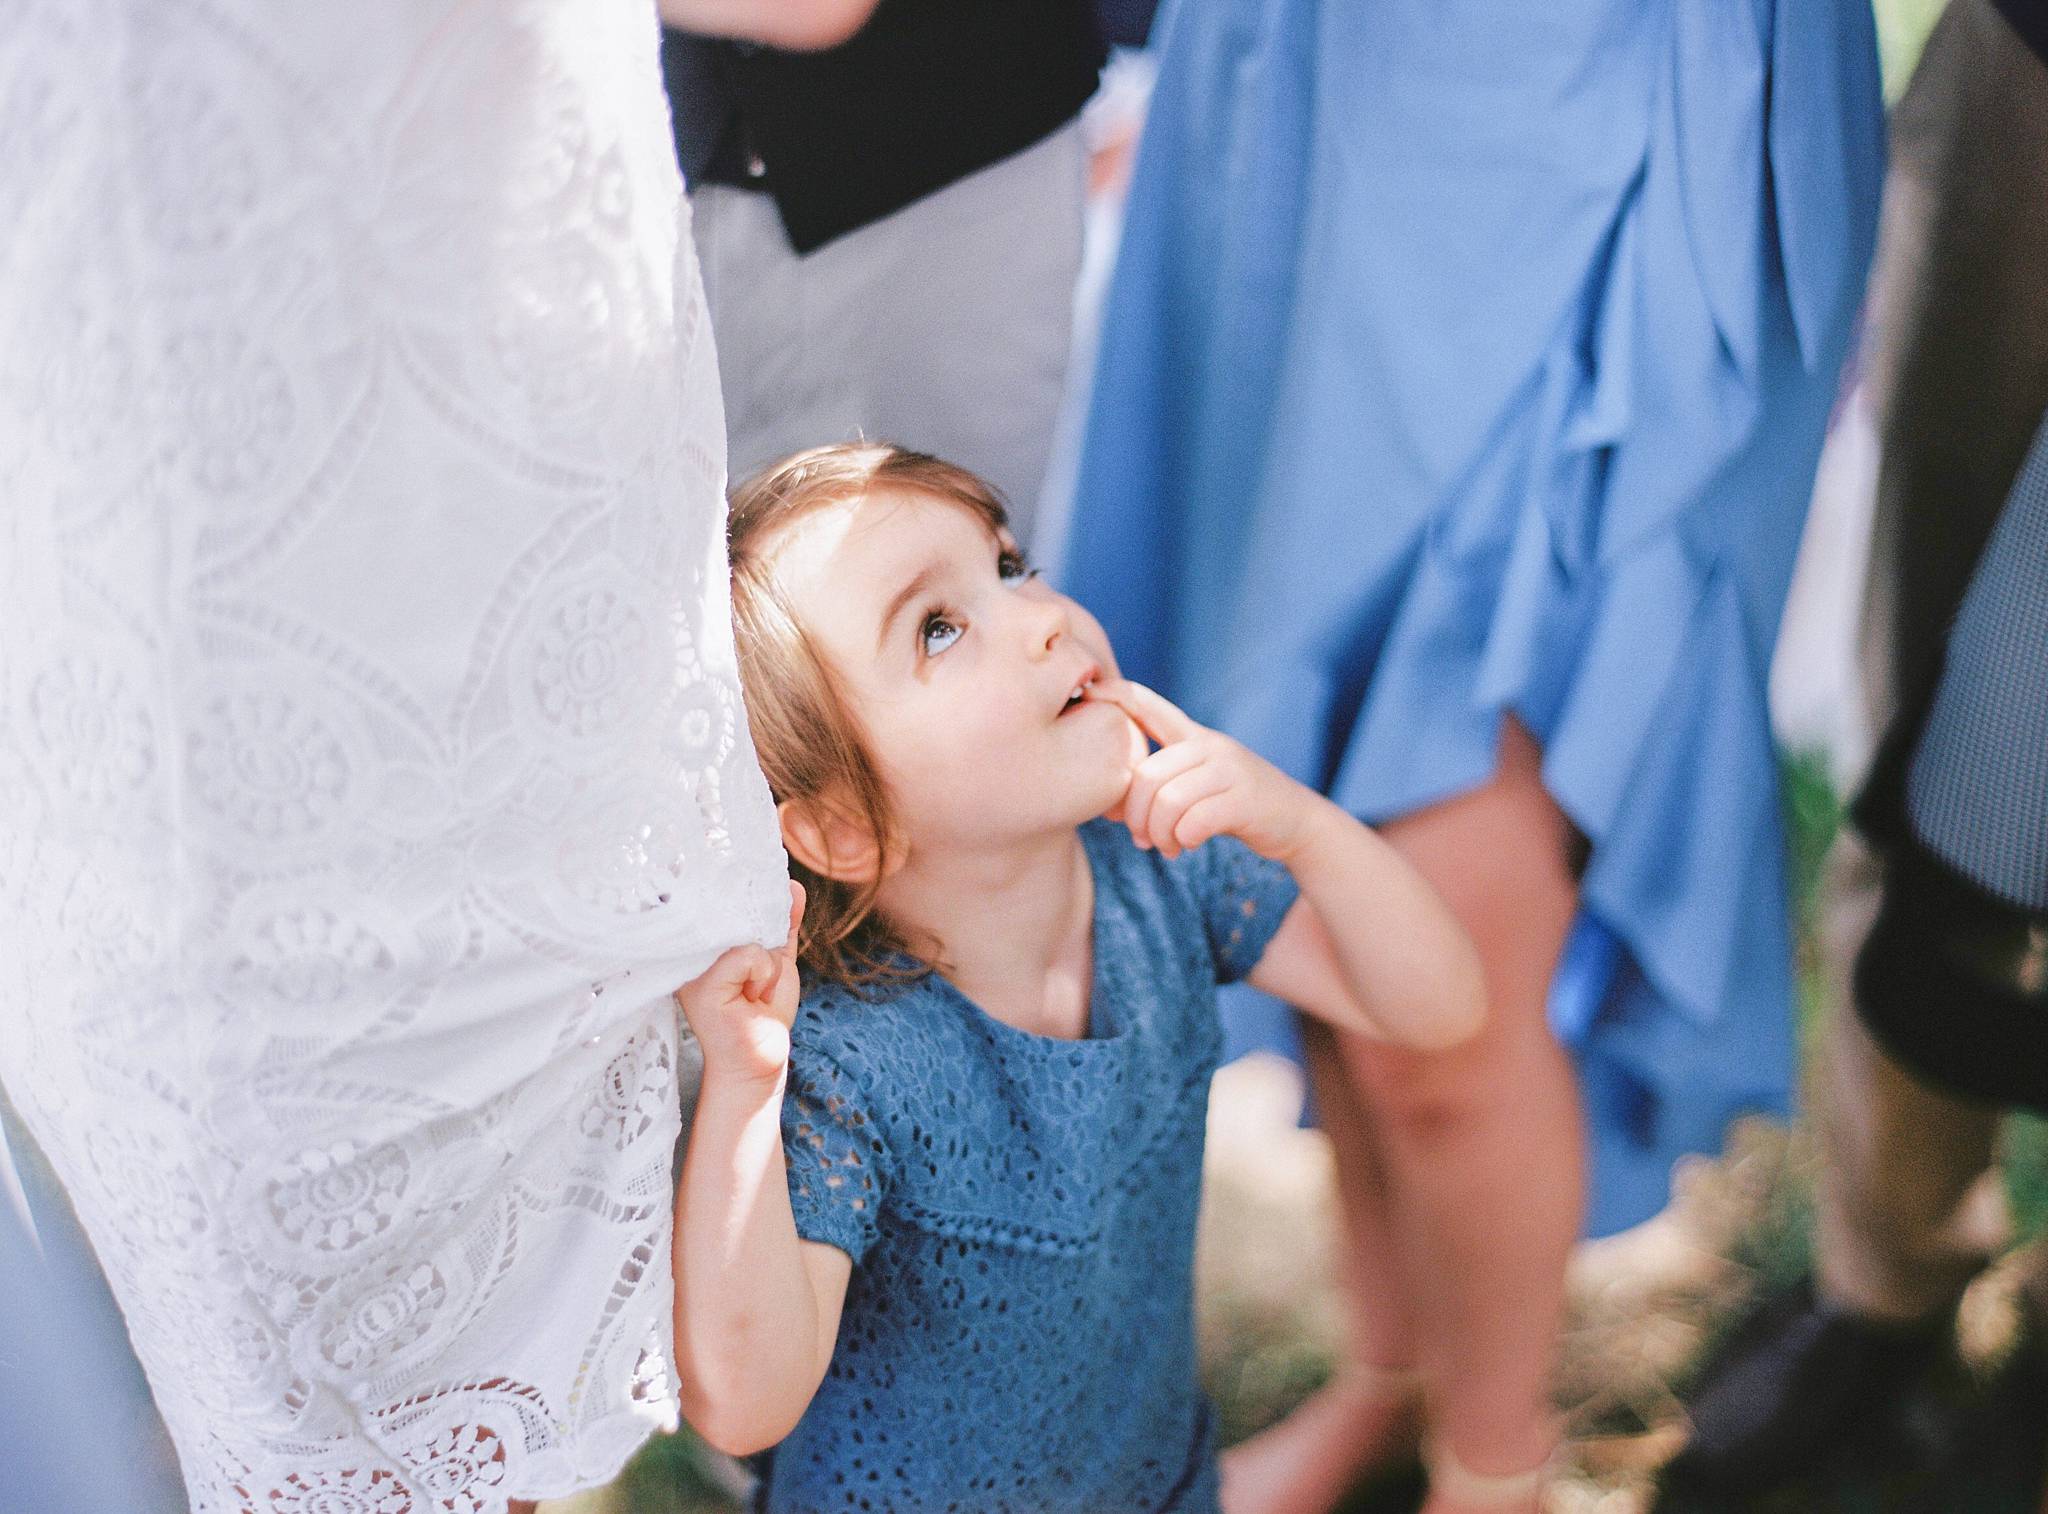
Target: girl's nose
1048, 623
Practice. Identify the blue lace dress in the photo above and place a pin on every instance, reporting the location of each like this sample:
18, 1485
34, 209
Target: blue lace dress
1019, 1329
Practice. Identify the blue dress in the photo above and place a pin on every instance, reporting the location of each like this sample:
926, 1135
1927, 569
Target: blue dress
1018, 1334
1465, 358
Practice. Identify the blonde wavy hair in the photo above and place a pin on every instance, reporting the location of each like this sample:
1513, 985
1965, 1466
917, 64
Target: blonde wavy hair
812, 745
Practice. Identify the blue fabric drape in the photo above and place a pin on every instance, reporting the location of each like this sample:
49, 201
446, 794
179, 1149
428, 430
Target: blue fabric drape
1464, 359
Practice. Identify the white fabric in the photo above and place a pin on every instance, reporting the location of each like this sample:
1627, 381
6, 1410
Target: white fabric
372, 762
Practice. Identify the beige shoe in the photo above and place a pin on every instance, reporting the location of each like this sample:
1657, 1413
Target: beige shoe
1452, 1479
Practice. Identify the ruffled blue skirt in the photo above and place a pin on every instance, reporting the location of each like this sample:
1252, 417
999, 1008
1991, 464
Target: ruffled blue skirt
1465, 358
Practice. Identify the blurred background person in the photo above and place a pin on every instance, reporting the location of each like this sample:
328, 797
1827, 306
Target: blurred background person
1944, 887
891, 230
1459, 394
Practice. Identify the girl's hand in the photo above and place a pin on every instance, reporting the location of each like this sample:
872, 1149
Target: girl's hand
741, 1007
1200, 784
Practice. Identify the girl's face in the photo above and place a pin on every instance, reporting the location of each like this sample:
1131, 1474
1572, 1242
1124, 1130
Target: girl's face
962, 666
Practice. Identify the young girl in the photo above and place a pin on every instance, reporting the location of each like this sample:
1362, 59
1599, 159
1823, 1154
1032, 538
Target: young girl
935, 1230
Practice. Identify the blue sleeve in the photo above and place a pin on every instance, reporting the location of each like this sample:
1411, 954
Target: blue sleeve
837, 1155
1242, 898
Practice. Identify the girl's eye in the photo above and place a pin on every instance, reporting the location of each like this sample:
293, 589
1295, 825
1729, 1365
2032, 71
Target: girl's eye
937, 634
1013, 569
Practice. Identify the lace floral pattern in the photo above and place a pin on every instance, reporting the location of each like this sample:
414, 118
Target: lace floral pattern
371, 756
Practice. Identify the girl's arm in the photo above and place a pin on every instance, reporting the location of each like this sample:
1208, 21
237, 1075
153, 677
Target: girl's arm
1369, 946
801, 24
757, 1307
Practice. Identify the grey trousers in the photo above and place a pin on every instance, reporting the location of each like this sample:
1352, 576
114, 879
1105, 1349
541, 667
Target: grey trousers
944, 327
1909, 1203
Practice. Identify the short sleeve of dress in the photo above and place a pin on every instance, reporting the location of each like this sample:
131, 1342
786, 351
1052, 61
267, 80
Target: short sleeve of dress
836, 1152
1242, 897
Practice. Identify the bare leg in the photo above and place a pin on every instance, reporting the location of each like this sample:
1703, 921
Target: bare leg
1459, 1176
1909, 1203
1482, 1144
1367, 1413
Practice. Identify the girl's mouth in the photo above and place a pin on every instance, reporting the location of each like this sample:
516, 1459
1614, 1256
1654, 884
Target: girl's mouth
1080, 694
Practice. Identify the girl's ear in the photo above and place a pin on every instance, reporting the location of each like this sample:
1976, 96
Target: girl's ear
831, 843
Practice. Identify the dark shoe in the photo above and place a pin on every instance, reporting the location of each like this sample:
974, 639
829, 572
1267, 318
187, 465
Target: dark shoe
1795, 1383
1993, 1456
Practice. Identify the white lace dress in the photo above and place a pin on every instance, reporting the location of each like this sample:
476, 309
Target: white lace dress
372, 762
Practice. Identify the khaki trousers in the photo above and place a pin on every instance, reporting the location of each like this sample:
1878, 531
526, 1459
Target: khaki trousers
945, 327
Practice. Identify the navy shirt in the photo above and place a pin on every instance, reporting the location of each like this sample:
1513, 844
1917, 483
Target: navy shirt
926, 93
1019, 1327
